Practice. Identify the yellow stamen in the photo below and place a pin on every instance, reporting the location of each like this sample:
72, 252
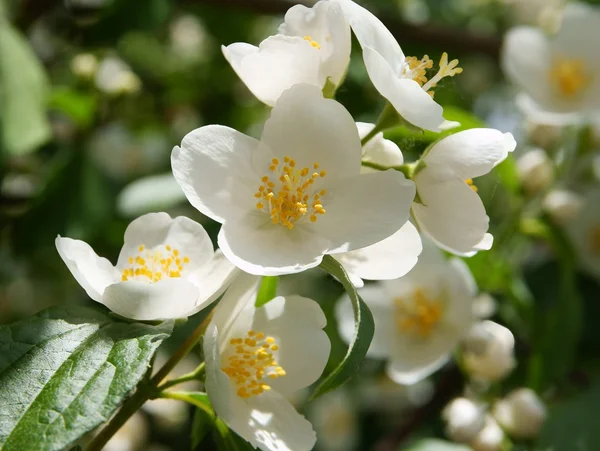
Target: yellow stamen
152, 265
471, 184
417, 70
313, 43
569, 76
418, 314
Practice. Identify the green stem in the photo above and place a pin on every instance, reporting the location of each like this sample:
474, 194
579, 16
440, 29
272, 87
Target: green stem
145, 391
387, 119
191, 376
407, 169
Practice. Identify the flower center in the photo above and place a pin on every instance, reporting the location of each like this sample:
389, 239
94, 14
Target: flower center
569, 76
288, 196
152, 265
416, 69
313, 43
594, 239
418, 314
252, 361
471, 184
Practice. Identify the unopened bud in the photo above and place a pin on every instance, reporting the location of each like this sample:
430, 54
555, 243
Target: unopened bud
464, 420
535, 169
521, 413
490, 438
489, 351
562, 205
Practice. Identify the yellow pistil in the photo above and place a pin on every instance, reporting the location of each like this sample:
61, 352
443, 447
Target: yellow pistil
418, 314
594, 239
313, 43
417, 70
471, 184
569, 76
153, 265
251, 362
287, 193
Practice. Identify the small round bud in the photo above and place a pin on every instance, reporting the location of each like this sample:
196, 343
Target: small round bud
490, 438
562, 205
521, 413
115, 77
484, 306
535, 169
84, 65
489, 351
464, 419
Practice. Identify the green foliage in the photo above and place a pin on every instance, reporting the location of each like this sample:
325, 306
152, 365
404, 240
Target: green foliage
65, 370
23, 93
431, 444
267, 290
363, 333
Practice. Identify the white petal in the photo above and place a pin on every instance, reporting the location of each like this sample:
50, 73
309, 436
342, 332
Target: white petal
152, 193
382, 308
379, 150
526, 60
451, 214
405, 95
297, 325
165, 299
471, 153
181, 233
409, 372
279, 63
578, 34
535, 113
259, 247
214, 168
93, 273
213, 279
371, 33
388, 259
311, 129
364, 210
461, 288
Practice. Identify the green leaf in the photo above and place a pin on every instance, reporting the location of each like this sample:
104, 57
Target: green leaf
65, 371
433, 444
202, 423
79, 107
267, 290
23, 93
363, 333
227, 440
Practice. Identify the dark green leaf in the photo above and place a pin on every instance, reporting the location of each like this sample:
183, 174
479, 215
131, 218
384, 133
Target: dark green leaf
65, 371
202, 423
267, 290
363, 333
227, 440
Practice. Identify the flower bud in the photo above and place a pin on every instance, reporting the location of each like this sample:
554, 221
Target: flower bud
535, 170
490, 438
489, 351
484, 306
464, 419
521, 413
562, 205
115, 77
84, 65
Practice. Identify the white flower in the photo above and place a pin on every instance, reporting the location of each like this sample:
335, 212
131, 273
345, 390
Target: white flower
167, 268
396, 255
484, 306
448, 208
490, 438
336, 421
584, 232
114, 76
313, 45
559, 74
489, 351
521, 413
402, 80
535, 170
562, 205
464, 419
296, 194
84, 65
257, 356
419, 318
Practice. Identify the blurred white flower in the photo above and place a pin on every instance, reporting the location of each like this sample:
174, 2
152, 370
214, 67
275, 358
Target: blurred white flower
562, 205
296, 194
490, 438
448, 209
313, 46
167, 268
114, 76
464, 419
335, 420
488, 353
84, 65
535, 169
521, 413
403, 81
256, 356
152, 193
419, 318
557, 74
132, 436
484, 306
381, 394
189, 39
